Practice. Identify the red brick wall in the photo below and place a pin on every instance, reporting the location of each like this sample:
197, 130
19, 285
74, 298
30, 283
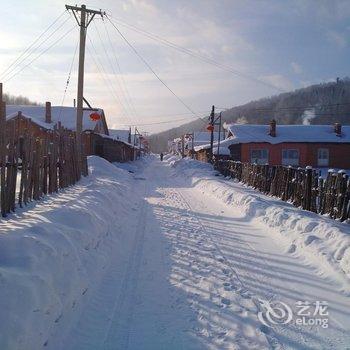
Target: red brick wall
339, 154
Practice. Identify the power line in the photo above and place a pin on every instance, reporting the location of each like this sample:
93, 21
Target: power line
31, 52
167, 122
68, 79
197, 55
33, 43
128, 98
38, 56
113, 70
105, 76
151, 69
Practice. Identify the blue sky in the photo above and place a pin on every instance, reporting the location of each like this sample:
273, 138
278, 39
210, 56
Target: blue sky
289, 44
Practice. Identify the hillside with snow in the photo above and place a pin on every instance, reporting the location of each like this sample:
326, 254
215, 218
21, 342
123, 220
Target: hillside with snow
324, 103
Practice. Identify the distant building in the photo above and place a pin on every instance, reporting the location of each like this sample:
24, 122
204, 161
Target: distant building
192, 140
296, 145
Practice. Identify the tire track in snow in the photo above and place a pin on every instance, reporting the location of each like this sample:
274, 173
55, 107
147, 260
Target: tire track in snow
118, 330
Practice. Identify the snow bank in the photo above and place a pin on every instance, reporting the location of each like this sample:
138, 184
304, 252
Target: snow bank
53, 252
319, 240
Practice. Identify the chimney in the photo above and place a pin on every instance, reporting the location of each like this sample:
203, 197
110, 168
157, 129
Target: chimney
272, 128
337, 129
48, 113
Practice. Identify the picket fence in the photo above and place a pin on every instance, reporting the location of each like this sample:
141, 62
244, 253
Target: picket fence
31, 167
303, 187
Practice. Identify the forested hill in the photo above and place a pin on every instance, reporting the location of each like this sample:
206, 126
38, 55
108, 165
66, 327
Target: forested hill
18, 100
324, 103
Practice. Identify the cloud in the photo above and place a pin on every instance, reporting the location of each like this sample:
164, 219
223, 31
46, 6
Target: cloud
296, 68
336, 38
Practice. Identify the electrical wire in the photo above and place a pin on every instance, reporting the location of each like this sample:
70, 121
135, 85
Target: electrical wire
31, 52
38, 56
33, 43
127, 110
68, 80
124, 84
151, 69
105, 76
201, 57
164, 122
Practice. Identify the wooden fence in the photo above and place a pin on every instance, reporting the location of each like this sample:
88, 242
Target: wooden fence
302, 187
31, 167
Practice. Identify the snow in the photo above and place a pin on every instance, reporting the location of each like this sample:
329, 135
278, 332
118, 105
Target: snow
330, 250
223, 149
246, 133
203, 137
52, 254
121, 135
66, 115
166, 255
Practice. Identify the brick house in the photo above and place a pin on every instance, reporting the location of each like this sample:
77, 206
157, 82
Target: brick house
296, 145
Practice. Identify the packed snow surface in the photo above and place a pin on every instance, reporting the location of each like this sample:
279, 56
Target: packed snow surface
166, 255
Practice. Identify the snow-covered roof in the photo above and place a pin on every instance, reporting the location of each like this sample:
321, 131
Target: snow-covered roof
223, 149
246, 133
122, 135
116, 139
203, 137
66, 115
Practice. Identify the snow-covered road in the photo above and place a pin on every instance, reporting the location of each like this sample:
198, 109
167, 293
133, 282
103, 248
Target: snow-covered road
193, 277
151, 259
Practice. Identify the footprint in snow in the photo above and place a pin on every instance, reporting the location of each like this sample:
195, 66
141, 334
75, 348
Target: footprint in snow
226, 272
226, 301
227, 286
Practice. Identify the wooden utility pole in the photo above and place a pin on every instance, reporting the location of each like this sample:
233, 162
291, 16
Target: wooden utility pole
212, 116
219, 136
183, 146
2, 153
86, 16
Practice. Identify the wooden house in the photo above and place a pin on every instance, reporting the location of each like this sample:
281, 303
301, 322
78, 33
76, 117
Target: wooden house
96, 137
297, 145
43, 118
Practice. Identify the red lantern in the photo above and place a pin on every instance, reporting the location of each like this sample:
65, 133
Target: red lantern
210, 127
95, 117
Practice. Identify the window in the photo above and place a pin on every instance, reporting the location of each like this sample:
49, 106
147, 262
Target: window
323, 157
290, 157
259, 156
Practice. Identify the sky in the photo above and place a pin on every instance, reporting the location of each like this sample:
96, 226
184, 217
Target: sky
269, 46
